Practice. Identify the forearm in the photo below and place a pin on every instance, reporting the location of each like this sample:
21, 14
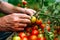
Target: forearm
6, 7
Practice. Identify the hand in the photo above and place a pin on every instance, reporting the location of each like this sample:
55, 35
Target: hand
25, 11
9, 8
15, 21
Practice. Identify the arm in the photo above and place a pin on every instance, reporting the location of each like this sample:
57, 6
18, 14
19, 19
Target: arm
9, 8
6, 7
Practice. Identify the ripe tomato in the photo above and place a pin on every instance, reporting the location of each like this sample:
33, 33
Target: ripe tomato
16, 38
35, 27
48, 28
33, 19
42, 38
42, 26
28, 33
24, 38
33, 37
48, 22
22, 34
18, 5
35, 32
24, 2
28, 29
55, 38
39, 22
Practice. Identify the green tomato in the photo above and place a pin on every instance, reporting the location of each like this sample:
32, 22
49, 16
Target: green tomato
33, 19
16, 38
40, 35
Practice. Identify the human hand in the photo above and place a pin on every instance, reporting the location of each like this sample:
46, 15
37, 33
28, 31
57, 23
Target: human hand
15, 21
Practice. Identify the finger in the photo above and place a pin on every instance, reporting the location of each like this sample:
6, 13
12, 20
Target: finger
32, 10
25, 21
20, 25
20, 10
20, 15
25, 16
29, 12
18, 29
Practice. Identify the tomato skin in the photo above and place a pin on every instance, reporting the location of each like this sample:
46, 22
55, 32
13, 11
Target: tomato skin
24, 38
33, 19
16, 38
22, 34
33, 37
24, 2
39, 22
35, 32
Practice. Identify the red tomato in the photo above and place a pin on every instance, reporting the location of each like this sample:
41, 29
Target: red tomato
55, 38
28, 33
48, 27
35, 27
35, 32
48, 22
18, 5
39, 21
24, 38
42, 38
42, 26
22, 34
33, 37
28, 29
24, 2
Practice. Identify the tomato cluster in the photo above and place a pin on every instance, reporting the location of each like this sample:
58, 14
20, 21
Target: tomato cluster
35, 31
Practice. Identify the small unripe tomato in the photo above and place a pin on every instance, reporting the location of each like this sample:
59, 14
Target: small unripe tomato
33, 19
16, 38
